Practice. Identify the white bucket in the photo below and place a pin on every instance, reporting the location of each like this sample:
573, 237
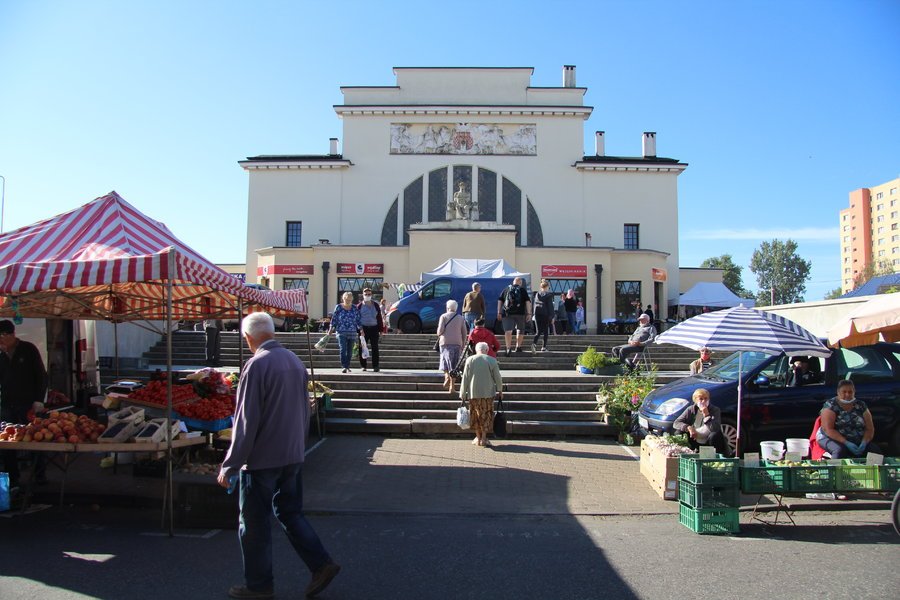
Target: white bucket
800, 445
771, 450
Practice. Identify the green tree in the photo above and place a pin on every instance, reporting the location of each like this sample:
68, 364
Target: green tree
731, 275
778, 266
882, 266
835, 293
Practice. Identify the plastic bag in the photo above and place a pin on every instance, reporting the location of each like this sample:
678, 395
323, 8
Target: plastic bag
462, 417
323, 341
4, 492
363, 348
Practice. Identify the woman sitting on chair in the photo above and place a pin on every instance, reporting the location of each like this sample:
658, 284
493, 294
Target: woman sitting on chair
846, 428
702, 423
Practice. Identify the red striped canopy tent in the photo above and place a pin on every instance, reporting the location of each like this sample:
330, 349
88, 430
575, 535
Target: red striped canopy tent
107, 260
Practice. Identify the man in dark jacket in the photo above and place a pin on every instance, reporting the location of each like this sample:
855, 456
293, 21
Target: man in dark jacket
267, 451
23, 384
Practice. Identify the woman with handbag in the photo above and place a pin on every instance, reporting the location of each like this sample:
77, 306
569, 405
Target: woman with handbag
451, 332
345, 320
481, 382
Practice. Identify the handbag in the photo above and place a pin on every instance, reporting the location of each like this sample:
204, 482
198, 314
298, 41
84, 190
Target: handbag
363, 348
462, 417
500, 419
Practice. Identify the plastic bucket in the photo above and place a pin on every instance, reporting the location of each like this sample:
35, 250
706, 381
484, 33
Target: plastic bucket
800, 445
771, 450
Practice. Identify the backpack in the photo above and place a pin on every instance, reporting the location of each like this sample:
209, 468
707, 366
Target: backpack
513, 301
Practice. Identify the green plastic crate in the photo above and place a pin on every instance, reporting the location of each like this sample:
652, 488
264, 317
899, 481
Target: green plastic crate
708, 471
765, 479
813, 478
854, 476
890, 474
708, 496
709, 520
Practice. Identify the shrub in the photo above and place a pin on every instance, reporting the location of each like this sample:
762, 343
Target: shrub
624, 396
593, 360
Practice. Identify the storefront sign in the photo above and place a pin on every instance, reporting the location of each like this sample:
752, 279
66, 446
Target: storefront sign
268, 270
658, 274
564, 271
239, 276
360, 268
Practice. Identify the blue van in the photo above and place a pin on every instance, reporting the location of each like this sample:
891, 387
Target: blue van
419, 312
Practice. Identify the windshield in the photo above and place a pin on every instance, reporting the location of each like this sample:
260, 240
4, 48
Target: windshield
727, 370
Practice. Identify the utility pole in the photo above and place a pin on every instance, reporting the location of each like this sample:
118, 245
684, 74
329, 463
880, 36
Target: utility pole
772, 292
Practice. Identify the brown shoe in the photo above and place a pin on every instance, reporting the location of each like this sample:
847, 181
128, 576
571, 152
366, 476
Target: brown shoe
321, 579
242, 591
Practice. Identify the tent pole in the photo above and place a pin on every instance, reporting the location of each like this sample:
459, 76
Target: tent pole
240, 335
312, 372
169, 478
740, 387
116, 346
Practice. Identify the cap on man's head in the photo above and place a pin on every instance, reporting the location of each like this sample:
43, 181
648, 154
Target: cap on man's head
6, 326
367, 290
644, 317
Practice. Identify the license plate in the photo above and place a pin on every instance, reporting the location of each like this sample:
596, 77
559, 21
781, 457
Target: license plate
643, 422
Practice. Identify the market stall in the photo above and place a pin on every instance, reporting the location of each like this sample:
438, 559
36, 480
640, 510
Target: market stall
107, 260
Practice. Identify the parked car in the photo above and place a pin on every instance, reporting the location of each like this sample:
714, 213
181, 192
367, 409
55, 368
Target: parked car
419, 312
772, 409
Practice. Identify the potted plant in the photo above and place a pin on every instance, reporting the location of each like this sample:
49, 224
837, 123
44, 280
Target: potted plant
621, 398
591, 361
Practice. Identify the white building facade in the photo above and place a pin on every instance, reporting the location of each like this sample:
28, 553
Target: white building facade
381, 211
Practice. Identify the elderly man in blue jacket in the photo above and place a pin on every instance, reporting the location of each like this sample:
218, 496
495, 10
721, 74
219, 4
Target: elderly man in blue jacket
267, 450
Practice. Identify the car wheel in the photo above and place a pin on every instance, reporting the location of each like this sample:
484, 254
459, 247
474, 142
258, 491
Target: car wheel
409, 324
729, 430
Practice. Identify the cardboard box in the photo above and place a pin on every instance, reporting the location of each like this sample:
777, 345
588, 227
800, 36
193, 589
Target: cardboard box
660, 471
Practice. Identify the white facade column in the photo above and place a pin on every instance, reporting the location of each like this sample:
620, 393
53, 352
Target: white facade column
425, 198
400, 217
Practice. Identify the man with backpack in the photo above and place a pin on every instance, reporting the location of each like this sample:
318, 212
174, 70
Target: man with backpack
514, 307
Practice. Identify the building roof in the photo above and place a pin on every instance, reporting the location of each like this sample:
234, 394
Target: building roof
628, 159
294, 157
876, 285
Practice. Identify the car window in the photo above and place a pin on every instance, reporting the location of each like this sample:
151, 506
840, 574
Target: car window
862, 364
729, 367
776, 372
442, 288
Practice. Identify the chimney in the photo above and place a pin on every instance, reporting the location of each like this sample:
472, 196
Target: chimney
600, 143
569, 76
332, 146
649, 144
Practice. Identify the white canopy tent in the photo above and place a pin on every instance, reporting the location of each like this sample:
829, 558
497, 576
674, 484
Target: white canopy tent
475, 267
713, 295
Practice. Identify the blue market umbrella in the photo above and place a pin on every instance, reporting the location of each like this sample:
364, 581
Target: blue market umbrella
742, 330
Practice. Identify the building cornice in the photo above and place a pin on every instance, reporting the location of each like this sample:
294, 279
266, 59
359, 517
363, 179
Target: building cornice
623, 164
275, 162
452, 110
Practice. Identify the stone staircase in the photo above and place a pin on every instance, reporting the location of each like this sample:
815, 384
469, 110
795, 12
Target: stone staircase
544, 394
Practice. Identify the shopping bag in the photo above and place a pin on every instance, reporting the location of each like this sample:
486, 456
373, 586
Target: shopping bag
363, 348
4, 490
500, 420
462, 417
323, 341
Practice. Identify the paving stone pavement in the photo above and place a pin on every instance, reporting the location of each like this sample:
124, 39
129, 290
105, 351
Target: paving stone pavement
375, 474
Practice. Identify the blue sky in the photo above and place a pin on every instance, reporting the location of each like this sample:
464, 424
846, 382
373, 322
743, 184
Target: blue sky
780, 108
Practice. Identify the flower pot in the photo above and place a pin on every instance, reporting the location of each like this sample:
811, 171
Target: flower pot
609, 370
585, 370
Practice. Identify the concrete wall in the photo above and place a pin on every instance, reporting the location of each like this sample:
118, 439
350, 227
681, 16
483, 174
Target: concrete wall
817, 317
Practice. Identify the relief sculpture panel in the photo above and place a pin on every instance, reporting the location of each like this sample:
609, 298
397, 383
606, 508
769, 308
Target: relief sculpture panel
464, 138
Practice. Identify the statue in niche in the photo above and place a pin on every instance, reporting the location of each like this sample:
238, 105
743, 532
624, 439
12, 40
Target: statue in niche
462, 207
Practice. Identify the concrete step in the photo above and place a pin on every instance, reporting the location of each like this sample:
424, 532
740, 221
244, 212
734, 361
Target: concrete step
439, 414
558, 406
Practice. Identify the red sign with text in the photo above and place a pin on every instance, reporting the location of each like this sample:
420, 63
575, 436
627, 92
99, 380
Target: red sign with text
285, 270
360, 268
564, 271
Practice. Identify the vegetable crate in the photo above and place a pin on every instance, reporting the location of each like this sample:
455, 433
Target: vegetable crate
854, 475
890, 474
709, 520
709, 471
211, 426
765, 479
708, 496
813, 478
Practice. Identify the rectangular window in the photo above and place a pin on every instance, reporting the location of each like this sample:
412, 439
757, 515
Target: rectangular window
893, 214
881, 253
357, 284
880, 207
879, 196
880, 241
895, 250
895, 238
881, 218
628, 299
893, 227
881, 230
292, 238
632, 236
847, 270
846, 228
846, 238
295, 283
893, 191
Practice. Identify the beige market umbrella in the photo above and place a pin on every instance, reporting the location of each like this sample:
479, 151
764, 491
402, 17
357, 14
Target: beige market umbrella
876, 320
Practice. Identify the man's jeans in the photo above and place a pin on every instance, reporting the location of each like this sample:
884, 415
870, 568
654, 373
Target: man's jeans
346, 341
279, 489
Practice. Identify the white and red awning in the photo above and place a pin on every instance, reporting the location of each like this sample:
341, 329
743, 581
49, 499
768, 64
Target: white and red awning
107, 260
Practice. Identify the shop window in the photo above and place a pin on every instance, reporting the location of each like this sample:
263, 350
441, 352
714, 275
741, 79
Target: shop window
628, 299
292, 238
560, 287
356, 285
295, 283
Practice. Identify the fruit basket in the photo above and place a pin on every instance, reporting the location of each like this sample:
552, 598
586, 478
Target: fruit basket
709, 520
854, 475
708, 471
708, 496
765, 479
